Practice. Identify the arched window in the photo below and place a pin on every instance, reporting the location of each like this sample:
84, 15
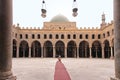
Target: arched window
93, 36
86, 36
26, 36
112, 31
20, 36
45, 36
68, 36
33, 36
99, 36
108, 33
80, 36
74, 36
103, 35
62, 36
38, 36
50, 36
57, 36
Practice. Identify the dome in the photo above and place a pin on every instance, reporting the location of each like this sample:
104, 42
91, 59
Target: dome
59, 18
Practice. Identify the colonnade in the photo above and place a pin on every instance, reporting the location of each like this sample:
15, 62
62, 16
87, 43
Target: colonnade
6, 39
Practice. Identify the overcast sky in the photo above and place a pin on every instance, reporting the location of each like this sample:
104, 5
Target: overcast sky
28, 12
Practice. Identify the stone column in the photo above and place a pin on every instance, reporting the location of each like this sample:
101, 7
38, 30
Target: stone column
78, 52
53, 51
42, 50
6, 40
90, 52
117, 37
103, 51
17, 51
65, 52
29, 52
111, 57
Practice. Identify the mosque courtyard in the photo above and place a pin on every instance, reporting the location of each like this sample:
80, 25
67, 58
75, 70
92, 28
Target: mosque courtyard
78, 69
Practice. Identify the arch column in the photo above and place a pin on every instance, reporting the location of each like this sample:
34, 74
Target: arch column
90, 52
6, 40
77, 51
117, 37
29, 52
17, 51
53, 51
103, 55
111, 57
42, 50
65, 52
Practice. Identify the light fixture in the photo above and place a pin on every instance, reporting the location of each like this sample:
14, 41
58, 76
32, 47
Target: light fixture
43, 10
75, 9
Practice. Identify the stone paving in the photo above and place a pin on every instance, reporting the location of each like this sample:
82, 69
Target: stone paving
78, 69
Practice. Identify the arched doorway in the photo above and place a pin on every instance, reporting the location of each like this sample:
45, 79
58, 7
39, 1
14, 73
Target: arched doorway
14, 48
59, 48
36, 49
23, 49
48, 49
84, 49
107, 50
71, 49
96, 50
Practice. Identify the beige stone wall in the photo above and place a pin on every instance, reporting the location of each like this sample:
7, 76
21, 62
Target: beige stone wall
65, 29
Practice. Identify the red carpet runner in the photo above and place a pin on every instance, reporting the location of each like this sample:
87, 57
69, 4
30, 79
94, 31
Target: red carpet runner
61, 72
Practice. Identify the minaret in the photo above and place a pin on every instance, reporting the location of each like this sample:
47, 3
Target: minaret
103, 24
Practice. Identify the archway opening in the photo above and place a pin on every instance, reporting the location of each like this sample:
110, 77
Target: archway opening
84, 49
36, 49
23, 49
59, 48
96, 50
48, 49
107, 50
71, 49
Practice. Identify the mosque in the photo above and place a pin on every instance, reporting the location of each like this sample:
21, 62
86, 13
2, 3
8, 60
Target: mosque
60, 37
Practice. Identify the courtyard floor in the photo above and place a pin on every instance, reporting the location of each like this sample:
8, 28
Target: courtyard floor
78, 69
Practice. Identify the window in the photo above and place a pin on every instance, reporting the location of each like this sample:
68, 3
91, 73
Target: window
38, 36
86, 36
26, 36
33, 36
80, 36
16, 35
45, 36
99, 36
93, 36
20, 36
103, 35
68, 36
112, 31
57, 36
74, 36
108, 33
62, 36
50, 36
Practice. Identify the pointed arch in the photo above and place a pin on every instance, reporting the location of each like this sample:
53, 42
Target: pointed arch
84, 49
48, 49
96, 49
23, 49
36, 49
107, 49
60, 48
71, 49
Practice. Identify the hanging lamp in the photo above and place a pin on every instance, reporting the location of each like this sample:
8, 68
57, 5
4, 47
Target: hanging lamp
43, 10
75, 9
